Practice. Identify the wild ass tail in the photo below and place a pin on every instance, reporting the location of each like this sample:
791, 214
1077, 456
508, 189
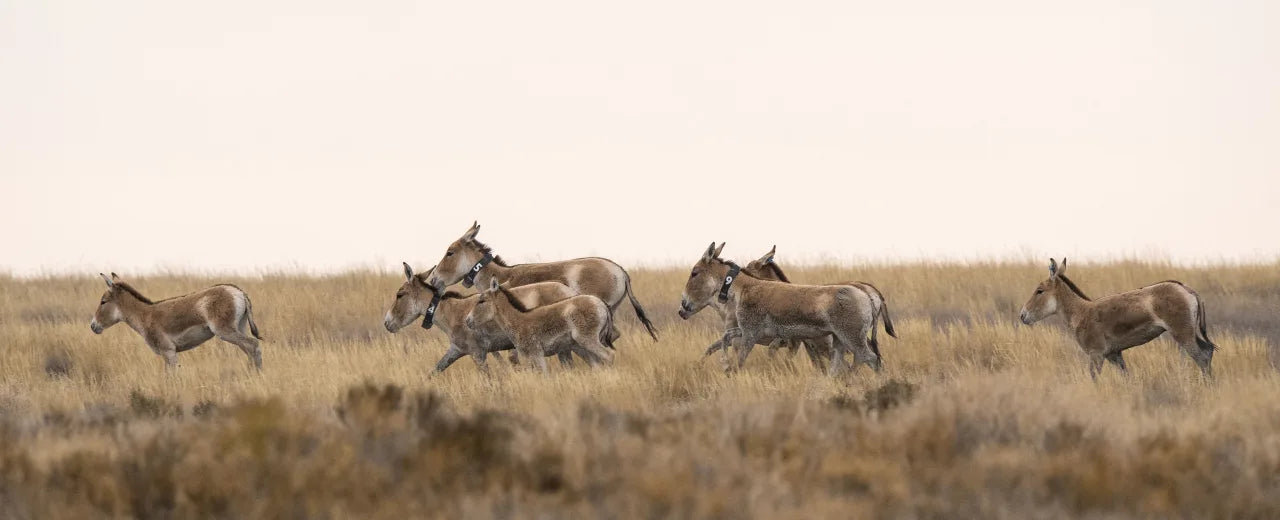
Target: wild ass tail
606, 334
1202, 328
248, 315
635, 304
883, 310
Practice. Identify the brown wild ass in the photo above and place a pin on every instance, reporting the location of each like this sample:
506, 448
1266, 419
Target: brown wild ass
777, 310
182, 323
765, 268
471, 262
815, 349
449, 310
581, 324
1105, 327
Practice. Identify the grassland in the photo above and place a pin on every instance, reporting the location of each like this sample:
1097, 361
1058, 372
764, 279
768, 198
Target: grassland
974, 416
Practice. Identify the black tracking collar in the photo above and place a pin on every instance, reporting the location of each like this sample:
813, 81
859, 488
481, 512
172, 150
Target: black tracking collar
728, 281
429, 317
470, 278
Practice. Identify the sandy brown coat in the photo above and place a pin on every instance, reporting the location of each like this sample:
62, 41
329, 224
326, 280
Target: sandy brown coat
768, 309
599, 277
414, 298
181, 323
580, 324
818, 350
766, 268
1106, 327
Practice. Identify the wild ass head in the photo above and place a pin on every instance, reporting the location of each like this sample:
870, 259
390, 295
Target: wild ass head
486, 308
765, 268
108, 312
414, 298
706, 279
1044, 301
464, 255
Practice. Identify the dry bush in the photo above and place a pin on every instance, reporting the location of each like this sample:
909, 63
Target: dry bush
974, 416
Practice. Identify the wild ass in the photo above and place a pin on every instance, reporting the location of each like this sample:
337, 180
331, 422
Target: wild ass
765, 268
816, 349
182, 323
471, 262
1105, 327
767, 309
449, 310
581, 324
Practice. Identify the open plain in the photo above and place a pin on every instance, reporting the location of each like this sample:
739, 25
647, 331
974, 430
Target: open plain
974, 416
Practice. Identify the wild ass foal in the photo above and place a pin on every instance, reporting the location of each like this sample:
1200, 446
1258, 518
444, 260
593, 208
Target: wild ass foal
1105, 327
816, 349
182, 323
765, 268
767, 309
471, 262
582, 324
449, 310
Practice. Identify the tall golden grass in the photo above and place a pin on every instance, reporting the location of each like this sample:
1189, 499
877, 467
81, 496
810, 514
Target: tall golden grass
974, 415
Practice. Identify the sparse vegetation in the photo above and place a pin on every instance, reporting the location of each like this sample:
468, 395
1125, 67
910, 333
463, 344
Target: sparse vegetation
975, 416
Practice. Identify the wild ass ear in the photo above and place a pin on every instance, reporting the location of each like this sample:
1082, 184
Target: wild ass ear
115, 277
471, 233
719, 249
1053, 268
1062, 269
768, 257
408, 271
710, 253
110, 284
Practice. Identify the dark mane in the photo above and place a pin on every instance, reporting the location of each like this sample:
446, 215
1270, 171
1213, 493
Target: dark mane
486, 250
512, 299
1071, 285
777, 271
452, 295
129, 289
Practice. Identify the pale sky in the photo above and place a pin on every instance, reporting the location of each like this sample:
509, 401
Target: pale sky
243, 135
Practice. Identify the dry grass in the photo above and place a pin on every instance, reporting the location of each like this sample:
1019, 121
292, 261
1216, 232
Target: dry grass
973, 417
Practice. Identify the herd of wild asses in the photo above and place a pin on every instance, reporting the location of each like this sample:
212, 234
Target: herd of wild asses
566, 308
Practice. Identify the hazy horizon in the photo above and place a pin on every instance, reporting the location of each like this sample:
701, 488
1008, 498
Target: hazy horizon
248, 136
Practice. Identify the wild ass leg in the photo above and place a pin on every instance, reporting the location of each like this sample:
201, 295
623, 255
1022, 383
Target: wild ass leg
862, 351
743, 343
165, 349
533, 356
453, 354
566, 359
1118, 360
597, 353
816, 349
481, 358
839, 347
725, 359
747, 343
1095, 365
248, 345
1202, 356
718, 345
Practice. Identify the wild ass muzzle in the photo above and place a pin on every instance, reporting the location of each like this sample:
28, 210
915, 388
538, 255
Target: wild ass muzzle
182, 323
581, 324
471, 262
768, 309
1106, 327
766, 268
449, 310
